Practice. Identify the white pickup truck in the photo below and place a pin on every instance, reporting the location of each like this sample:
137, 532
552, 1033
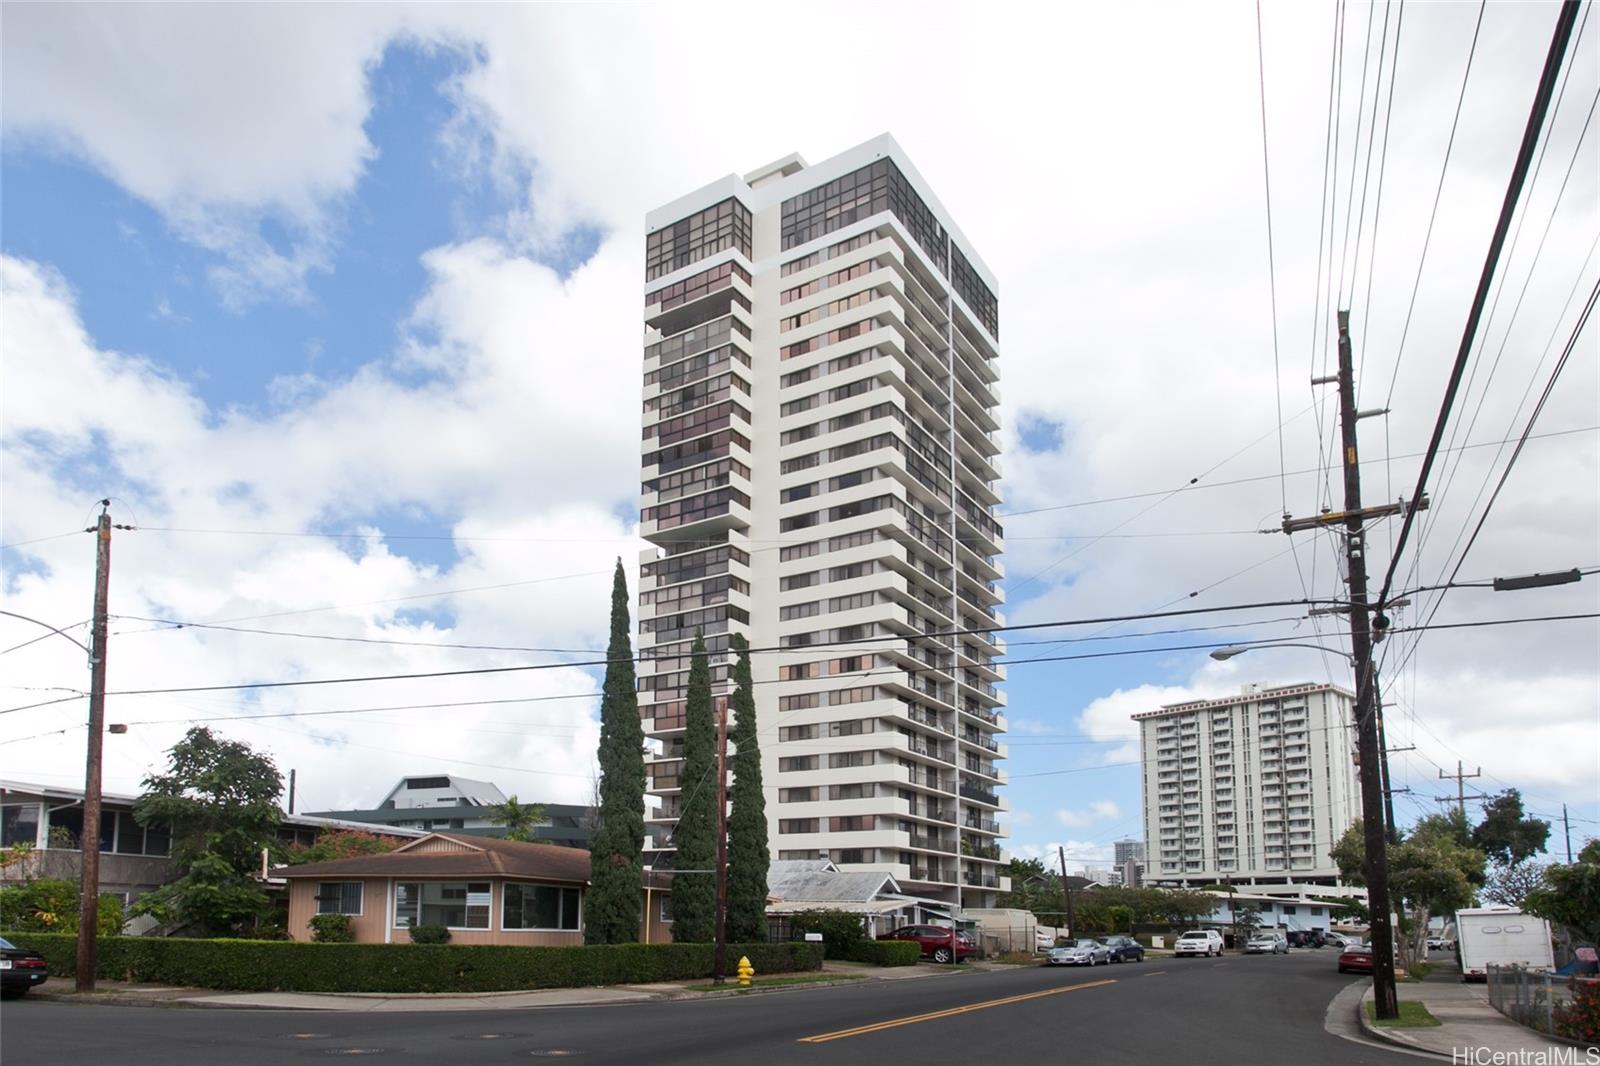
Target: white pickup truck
1501, 936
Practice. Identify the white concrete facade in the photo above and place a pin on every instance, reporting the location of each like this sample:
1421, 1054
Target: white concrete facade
819, 473
1257, 787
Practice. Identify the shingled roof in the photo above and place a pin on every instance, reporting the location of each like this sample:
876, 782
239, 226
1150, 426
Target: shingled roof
444, 855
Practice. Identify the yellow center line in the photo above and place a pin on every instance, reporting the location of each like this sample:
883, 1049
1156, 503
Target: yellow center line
840, 1034
1155, 973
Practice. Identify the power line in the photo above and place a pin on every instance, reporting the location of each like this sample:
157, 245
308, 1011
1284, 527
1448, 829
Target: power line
1272, 262
39, 540
603, 662
1438, 194
1272, 477
1530, 137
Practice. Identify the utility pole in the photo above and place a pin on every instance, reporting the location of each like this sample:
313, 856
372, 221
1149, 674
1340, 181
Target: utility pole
1567, 827
1066, 892
291, 791
719, 965
1367, 708
1461, 796
89, 842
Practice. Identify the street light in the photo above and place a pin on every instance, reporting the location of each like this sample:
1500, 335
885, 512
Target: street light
1222, 655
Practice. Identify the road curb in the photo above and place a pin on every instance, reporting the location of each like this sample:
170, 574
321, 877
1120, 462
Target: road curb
1389, 1036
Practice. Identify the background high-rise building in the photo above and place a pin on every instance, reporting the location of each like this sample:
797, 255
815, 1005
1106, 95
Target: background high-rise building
819, 473
1257, 787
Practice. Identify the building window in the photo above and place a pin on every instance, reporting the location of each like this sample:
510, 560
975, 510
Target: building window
878, 186
339, 897
716, 229
453, 904
540, 907
19, 824
666, 909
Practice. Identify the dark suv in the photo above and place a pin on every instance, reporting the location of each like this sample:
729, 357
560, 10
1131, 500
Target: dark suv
1124, 948
935, 941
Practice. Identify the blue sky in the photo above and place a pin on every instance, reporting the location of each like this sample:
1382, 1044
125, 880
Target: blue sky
385, 281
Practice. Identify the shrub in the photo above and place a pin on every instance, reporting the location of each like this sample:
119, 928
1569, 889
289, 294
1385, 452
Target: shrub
430, 934
884, 952
840, 930
50, 905
1579, 1018
331, 929
276, 966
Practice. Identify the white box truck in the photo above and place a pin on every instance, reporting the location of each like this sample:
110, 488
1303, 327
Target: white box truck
1501, 936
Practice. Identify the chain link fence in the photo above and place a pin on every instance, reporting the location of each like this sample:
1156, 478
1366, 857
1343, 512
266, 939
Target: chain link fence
1551, 1003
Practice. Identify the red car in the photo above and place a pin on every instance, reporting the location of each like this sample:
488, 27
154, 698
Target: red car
935, 941
1357, 958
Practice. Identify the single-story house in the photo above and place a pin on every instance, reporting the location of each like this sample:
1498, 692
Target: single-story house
798, 885
485, 890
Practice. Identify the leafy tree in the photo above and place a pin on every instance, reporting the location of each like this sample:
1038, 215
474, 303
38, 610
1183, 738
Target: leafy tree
1119, 916
1433, 870
1510, 885
616, 846
1506, 835
520, 819
1570, 895
339, 844
219, 800
748, 853
694, 895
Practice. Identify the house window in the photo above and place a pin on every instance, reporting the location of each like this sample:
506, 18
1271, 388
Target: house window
453, 904
19, 824
540, 907
339, 897
666, 908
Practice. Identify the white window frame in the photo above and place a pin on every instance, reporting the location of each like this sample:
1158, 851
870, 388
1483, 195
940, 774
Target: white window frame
361, 898
394, 895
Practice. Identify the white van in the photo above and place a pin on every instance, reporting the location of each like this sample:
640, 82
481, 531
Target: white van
1501, 936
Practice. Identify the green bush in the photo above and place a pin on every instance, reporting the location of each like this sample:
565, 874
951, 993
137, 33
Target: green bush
50, 905
277, 966
840, 930
331, 929
885, 952
430, 934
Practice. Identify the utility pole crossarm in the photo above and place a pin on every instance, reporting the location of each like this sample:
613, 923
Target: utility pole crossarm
1328, 519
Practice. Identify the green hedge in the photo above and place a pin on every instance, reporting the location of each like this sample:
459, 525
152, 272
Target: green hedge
289, 966
885, 952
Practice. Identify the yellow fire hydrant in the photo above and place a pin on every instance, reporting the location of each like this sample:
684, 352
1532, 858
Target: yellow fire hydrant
746, 971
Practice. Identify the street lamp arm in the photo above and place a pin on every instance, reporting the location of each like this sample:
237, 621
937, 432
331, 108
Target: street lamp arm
51, 628
1222, 655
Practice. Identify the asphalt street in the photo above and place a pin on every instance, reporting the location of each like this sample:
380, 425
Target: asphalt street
1236, 1010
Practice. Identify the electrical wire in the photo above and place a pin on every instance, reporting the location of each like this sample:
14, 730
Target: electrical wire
1536, 117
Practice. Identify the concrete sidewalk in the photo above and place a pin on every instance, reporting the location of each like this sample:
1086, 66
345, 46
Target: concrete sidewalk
1468, 1023
126, 993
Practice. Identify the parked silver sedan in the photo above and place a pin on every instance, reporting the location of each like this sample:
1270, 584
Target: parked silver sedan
1267, 944
1083, 952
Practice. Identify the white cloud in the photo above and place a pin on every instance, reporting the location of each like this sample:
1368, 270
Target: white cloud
471, 442
1098, 811
1128, 238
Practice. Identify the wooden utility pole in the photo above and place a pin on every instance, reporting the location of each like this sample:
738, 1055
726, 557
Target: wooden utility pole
89, 842
1567, 827
719, 964
1461, 797
1367, 709
1066, 892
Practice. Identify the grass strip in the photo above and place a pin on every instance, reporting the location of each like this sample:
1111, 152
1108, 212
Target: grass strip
775, 982
1412, 1016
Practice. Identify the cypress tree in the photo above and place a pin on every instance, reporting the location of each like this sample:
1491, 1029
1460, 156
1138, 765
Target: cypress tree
616, 852
748, 853
694, 895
